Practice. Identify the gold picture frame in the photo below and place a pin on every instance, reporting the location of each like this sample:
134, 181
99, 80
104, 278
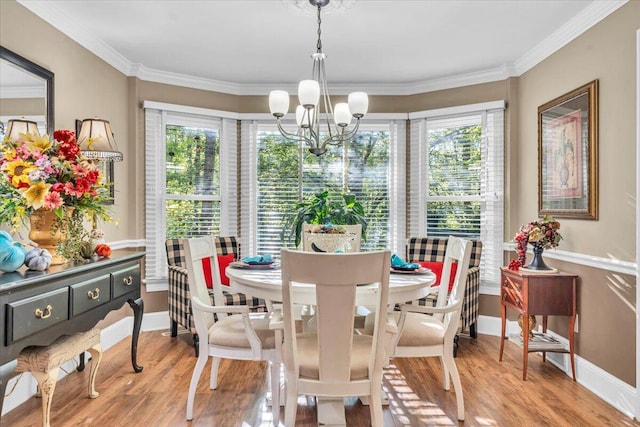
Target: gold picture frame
568, 155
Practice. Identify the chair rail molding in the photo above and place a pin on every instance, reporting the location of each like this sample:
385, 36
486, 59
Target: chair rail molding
610, 264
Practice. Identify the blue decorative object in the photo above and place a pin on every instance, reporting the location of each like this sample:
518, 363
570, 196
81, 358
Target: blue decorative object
399, 263
12, 253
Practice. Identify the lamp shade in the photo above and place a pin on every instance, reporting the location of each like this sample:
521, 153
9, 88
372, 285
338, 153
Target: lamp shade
96, 140
358, 104
341, 114
309, 93
279, 102
17, 126
305, 117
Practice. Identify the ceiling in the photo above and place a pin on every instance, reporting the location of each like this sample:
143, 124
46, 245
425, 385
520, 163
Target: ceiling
380, 46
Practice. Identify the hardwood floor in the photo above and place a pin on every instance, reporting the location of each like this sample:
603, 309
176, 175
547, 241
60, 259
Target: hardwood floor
494, 393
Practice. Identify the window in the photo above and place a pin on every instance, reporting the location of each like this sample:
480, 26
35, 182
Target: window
456, 179
190, 185
285, 172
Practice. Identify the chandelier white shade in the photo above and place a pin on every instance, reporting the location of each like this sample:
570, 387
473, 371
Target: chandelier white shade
313, 96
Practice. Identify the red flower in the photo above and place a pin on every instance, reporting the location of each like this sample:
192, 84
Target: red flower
65, 136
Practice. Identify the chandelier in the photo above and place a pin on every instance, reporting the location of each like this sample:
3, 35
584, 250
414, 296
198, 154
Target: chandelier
308, 118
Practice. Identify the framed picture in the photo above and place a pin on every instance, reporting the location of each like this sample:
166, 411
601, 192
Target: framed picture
106, 169
568, 155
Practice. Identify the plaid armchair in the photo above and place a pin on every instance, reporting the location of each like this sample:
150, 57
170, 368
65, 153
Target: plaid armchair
179, 296
433, 249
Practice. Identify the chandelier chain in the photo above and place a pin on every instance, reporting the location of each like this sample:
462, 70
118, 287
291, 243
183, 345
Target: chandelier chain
319, 44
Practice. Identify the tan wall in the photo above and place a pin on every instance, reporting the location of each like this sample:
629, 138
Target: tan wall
606, 301
18, 107
86, 86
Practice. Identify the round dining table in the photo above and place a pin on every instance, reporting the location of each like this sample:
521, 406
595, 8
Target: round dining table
266, 282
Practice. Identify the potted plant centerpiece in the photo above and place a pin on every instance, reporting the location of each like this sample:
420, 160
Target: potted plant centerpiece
326, 217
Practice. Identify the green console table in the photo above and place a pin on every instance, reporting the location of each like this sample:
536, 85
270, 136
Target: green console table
36, 307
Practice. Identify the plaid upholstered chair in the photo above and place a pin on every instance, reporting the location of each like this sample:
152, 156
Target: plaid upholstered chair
179, 295
432, 249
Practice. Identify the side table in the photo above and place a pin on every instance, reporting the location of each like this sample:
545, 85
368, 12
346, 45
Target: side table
544, 294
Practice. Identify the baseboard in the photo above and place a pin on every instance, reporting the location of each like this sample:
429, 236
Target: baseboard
23, 387
609, 388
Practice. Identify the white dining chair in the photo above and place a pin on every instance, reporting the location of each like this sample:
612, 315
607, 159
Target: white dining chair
333, 360
429, 331
237, 333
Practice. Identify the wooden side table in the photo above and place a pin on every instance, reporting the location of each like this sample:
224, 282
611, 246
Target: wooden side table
539, 294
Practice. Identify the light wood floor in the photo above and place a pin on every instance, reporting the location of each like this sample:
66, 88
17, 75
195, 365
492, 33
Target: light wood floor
494, 392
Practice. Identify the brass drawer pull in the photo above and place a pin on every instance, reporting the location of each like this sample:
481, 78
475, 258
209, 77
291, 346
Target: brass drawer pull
127, 281
43, 314
95, 294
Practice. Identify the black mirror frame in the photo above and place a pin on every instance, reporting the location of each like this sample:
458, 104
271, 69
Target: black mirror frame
39, 71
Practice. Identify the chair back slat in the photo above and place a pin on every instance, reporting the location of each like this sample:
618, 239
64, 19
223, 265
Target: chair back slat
459, 251
196, 249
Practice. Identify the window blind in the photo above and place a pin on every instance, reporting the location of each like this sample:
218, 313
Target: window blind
191, 186
456, 181
285, 173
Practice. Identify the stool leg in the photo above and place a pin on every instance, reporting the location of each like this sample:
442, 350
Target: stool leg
47, 384
96, 357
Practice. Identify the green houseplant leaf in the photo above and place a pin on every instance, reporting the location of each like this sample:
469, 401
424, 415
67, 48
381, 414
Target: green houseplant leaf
320, 210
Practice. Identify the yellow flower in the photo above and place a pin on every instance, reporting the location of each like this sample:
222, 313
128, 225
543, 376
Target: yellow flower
9, 153
19, 171
535, 234
35, 194
39, 143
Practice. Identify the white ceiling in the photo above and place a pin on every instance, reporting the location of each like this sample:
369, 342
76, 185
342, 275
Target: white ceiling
380, 46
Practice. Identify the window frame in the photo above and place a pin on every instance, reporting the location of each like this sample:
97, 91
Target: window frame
157, 117
492, 174
251, 125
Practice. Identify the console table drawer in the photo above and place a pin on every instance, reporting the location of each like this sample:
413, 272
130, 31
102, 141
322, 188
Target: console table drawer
90, 294
30, 315
126, 280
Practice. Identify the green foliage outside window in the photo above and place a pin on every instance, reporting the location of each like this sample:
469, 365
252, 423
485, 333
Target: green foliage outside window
455, 160
193, 173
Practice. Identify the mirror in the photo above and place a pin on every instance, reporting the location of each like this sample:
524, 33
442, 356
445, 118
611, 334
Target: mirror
26, 90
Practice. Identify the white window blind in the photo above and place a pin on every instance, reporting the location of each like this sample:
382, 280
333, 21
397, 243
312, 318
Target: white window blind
190, 184
456, 182
277, 173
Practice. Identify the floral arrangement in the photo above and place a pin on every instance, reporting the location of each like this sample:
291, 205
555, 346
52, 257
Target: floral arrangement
38, 172
541, 233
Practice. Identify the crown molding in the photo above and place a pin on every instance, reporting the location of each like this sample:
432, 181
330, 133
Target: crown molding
22, 92
590, 16
52, 14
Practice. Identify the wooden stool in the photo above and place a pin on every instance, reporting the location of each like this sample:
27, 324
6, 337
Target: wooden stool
44, 363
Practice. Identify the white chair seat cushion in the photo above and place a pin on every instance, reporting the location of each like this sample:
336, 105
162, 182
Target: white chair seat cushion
308, 355
230, 332
421, 330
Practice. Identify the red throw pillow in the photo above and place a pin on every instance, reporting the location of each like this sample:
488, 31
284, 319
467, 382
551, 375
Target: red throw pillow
436, 268
223, 262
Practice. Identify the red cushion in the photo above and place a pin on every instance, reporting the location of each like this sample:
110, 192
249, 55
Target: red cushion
223, 262
436, 268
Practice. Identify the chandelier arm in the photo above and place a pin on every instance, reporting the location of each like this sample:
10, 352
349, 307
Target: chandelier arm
291, 136
337, 139
328, 108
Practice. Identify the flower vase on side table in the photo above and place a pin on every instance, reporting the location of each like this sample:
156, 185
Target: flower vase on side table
42, 223
537, 263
